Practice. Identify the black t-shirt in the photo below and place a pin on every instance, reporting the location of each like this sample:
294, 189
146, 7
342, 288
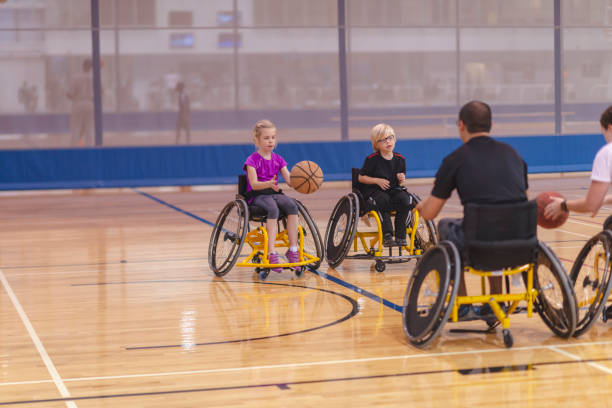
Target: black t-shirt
484, 171
377, 166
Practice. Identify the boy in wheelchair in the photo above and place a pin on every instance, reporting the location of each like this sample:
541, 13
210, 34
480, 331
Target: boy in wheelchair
382, 177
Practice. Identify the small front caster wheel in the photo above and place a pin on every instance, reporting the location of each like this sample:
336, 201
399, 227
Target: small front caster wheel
380, 266
508, 340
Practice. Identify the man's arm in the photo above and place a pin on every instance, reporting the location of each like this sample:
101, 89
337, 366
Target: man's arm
430, 207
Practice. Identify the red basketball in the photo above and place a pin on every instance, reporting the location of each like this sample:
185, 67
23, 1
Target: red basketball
543, 199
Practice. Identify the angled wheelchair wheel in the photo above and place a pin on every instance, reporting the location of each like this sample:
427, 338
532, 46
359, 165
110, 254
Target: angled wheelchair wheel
228, 237
430, 294
556, 302
590, 276
313, 244
426, 234
341, 229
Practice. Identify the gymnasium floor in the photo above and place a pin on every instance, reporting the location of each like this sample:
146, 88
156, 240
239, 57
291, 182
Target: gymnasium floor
107, 300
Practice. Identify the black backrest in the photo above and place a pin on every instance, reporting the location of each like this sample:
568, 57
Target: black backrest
242, 184
355, 177
500, 235
364, 207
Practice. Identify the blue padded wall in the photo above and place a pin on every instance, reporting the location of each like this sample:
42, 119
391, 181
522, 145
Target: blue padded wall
219, 164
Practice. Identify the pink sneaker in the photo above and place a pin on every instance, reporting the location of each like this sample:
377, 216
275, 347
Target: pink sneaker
293, 257
273, 259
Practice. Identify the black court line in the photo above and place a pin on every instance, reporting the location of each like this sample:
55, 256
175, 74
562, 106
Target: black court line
352, 313
122, 261
283, 386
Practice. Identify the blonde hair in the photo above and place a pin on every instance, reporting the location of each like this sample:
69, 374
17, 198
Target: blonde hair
261, 124
379, 132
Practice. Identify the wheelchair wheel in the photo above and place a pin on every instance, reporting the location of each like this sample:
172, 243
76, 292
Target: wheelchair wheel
590, 276
228, 237
312, 237
556, 302
607, 225
426, 234
341, 229
431, 293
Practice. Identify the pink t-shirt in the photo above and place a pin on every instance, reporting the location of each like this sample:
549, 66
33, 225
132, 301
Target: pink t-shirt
265, 169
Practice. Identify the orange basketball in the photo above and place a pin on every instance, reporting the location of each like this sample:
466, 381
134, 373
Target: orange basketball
306, 177
543, 199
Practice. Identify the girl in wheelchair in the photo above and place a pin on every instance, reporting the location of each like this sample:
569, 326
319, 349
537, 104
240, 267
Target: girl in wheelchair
262, 168
382, 176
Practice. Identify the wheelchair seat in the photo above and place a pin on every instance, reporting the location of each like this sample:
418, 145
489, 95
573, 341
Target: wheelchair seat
256, 213
500, 236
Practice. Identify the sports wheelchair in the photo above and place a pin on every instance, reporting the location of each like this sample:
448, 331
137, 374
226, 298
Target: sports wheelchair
342, 232
590, 275
234, 227
500, 240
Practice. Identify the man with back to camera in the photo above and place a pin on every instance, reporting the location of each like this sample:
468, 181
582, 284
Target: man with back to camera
601, 177
484, 171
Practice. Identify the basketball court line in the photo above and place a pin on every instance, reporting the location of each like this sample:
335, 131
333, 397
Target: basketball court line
577, 358
339, 281
574, 358
57, 380
283, 386
175, 208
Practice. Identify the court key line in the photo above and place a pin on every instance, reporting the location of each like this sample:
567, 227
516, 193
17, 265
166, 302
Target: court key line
334, 362
36, 340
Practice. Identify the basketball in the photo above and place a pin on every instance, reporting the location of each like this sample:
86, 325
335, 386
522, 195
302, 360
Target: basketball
306, 177
542, 200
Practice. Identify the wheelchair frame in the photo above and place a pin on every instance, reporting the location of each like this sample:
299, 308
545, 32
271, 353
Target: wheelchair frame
243, 214
423, 322
371, 241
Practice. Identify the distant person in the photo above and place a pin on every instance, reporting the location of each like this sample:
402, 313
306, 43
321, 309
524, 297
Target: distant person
28, 97
184, 113
80, 94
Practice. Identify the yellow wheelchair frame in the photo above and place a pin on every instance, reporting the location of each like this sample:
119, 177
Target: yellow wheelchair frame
342, 232
431, 296
232, 230
258, 241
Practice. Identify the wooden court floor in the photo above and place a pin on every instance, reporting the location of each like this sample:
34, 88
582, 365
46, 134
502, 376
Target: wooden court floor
107, 300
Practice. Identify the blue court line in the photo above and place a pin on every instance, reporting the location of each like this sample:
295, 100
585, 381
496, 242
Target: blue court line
162, 202
357, 289
339, 281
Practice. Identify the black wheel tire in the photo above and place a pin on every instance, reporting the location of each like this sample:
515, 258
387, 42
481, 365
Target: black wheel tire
313, 244
341, 229
227, 237
559, 314
380, 266
592, 284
